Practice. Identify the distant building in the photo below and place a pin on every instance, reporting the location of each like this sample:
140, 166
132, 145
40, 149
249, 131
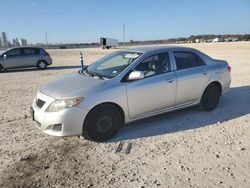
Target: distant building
9, 44
15, 42
19, 42
218, 39
22, 42
4, 41
197, 41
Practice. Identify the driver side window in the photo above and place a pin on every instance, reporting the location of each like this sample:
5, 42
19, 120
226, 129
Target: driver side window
154, 65
14, 52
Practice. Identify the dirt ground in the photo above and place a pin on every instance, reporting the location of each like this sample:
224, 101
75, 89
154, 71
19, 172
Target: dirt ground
187, 148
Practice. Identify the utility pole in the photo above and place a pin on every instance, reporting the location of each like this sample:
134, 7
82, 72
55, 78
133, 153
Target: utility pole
46, 38
123, 28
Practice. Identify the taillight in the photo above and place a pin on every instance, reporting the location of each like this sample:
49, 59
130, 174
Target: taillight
228, 68
46, 53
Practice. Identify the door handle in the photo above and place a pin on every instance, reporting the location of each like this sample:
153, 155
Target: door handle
170, 80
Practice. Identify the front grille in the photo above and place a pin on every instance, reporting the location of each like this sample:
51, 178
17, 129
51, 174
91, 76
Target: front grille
40, 103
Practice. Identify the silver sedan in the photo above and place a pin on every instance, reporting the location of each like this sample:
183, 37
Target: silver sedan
128, 85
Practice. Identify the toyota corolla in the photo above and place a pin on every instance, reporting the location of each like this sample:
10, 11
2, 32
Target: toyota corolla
128, 85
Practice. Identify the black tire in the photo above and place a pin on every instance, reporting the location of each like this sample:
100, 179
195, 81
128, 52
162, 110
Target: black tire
210, 98
42, 65
102, 123
1, 69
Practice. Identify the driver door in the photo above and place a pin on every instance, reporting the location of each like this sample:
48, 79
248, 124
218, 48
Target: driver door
157, 91
13, 59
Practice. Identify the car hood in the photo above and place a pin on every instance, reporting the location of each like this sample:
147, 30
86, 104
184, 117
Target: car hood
71, 85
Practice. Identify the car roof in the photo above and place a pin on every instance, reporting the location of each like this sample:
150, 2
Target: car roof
19, 47
146, 49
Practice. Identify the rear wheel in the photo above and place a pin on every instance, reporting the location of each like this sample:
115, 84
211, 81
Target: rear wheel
42, 65
1, 68
102, 123
210, 98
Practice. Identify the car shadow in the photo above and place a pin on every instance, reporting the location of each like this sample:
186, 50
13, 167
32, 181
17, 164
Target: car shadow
64, 67
49, 68
235, 103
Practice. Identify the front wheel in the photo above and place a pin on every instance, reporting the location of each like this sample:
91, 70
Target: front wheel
102, 123
42, 65
210, 98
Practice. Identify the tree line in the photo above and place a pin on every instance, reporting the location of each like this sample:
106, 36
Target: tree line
192, 38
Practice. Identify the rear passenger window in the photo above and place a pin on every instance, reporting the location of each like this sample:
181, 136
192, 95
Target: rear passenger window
30, 51
186, 60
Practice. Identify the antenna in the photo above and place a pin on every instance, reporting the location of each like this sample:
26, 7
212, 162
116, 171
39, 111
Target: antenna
123, 28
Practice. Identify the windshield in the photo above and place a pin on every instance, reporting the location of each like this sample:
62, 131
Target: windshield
113, 64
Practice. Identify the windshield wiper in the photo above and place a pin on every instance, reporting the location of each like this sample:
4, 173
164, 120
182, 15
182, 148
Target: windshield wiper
87, 72
84, 70
96, 74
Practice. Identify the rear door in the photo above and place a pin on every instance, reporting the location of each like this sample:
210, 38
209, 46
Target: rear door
30, 56
192, 76
157, 91
13, 59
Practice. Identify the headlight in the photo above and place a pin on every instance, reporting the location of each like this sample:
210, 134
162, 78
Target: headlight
35, 99
60, 104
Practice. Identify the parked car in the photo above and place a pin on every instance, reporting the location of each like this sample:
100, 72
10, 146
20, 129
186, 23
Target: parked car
23, 57
128, 85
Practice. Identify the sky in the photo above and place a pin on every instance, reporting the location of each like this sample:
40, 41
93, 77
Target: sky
77, 21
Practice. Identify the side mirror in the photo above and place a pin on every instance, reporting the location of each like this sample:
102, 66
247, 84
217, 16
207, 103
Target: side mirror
136, 75
4, 56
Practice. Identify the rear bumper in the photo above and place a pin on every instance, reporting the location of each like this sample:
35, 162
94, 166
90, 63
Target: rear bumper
49, 61
226, 82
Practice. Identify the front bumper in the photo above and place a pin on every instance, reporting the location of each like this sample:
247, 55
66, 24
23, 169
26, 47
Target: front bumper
67, 122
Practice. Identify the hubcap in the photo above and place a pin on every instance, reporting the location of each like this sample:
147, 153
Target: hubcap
42, 65
104, 124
